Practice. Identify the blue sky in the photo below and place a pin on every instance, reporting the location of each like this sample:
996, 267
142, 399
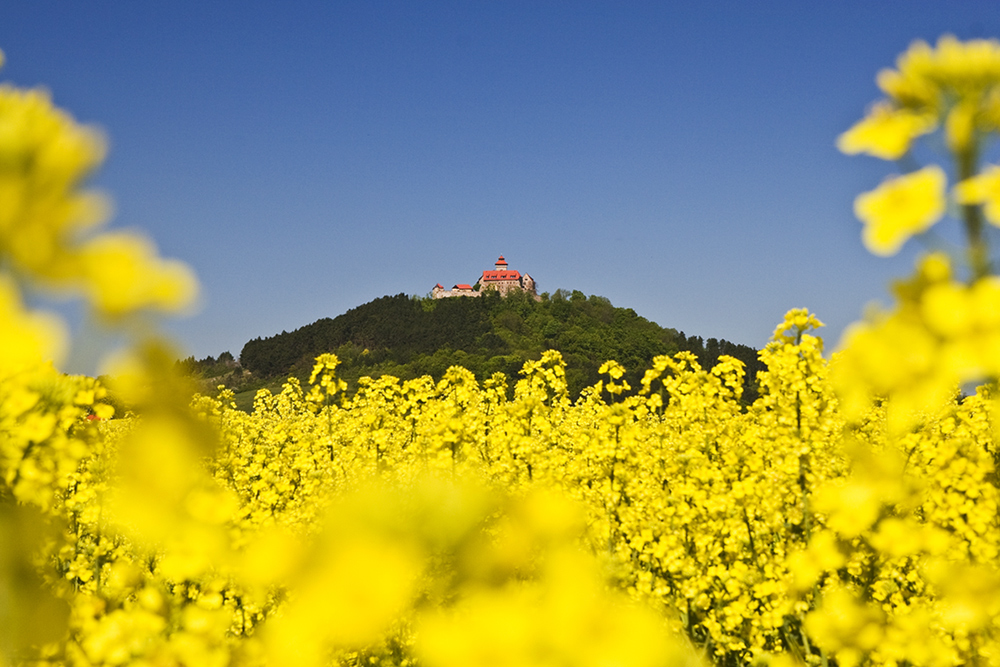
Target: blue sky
308, 157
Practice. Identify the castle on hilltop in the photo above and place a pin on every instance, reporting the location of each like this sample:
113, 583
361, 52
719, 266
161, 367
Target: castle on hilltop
501, 279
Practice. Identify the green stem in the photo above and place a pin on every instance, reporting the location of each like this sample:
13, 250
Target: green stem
972, 214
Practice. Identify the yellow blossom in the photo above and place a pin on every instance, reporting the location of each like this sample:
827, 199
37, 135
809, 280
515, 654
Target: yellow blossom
960, 126
982, 189
123, 273
885, 133
926, 77
901, 207
26, 338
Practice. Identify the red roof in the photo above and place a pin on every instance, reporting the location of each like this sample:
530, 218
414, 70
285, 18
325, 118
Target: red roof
502, 261
439, 286
469, 287
501, 275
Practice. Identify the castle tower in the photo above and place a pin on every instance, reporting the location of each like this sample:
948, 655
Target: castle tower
501, 264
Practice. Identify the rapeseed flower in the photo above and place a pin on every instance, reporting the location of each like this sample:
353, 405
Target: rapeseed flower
984, 189
900, 208
886, 132
932, 79
122, 273
26, 338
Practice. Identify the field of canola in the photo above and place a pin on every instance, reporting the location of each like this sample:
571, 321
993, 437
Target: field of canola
847, 517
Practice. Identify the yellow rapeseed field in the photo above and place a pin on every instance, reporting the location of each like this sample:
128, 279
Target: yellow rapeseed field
849, 516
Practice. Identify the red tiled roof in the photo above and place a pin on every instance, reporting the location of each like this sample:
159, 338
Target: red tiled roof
502, 261
469, 287
439, 286
501, 275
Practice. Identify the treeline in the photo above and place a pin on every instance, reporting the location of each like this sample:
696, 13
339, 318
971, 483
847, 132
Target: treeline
409, 336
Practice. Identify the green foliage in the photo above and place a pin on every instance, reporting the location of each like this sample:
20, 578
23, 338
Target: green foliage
408, 337
209, 373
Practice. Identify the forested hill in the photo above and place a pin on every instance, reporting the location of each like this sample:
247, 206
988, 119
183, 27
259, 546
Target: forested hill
409, 336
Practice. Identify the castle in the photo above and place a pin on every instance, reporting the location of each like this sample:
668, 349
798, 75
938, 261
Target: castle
501, 279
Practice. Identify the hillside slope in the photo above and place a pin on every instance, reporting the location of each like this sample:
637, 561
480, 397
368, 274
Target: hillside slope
409, 336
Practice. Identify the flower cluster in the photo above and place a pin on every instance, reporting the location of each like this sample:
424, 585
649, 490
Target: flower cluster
955, 88
944, 331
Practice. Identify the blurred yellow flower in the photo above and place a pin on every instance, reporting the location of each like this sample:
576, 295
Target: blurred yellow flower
927, 77
886, 132
822, 555
982, 189
123, 273
901, 207
846, 626
44, 157
26, 338
946, 308
960, 125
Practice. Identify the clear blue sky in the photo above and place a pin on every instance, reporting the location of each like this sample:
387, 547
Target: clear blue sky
307, 157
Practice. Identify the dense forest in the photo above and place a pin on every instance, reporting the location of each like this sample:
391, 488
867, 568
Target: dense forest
408, 336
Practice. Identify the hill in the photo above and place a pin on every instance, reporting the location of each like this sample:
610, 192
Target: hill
410, 336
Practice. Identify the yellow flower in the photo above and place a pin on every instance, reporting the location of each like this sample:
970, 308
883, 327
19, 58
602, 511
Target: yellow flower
612, 368
908, 86
845, 625
123, 273
44, 157
901, 207
960, 125
886, 132
984, 189
961, 69
823, 555
947, 309
797, 322
965, 63
27, 338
